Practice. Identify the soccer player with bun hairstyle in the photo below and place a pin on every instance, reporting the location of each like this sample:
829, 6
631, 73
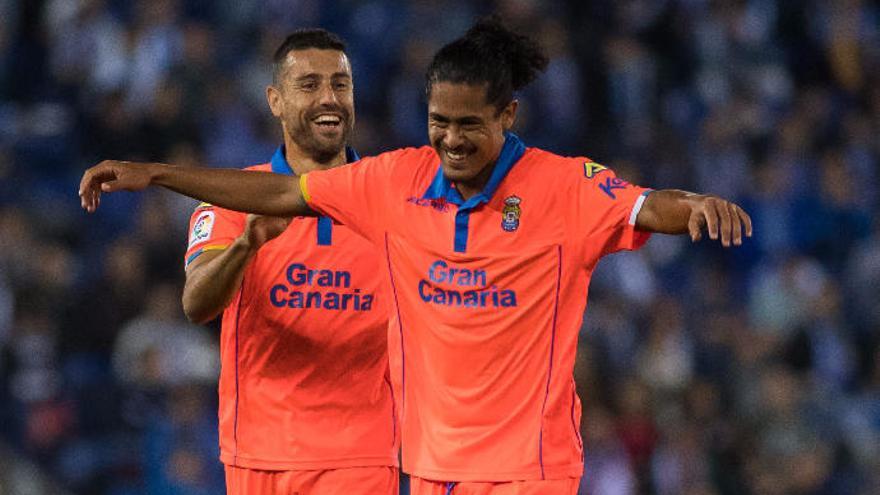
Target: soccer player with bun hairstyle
489, 246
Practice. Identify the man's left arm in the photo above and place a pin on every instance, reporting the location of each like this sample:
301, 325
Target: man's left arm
671, 211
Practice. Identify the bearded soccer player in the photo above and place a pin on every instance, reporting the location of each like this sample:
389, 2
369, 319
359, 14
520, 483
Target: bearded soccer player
489, 246
305, 398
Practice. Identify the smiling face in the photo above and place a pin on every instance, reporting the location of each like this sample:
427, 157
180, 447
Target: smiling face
467, 132
314, 99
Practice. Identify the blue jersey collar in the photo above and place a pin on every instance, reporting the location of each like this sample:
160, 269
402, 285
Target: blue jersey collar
511, 152
280, 165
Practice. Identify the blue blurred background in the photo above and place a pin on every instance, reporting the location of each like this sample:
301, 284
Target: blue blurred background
703, 371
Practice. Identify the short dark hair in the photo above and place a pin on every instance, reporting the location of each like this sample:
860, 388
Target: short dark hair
303, 39
491, 54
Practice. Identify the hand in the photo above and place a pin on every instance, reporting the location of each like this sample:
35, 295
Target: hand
261, 229
111, 176
718, 216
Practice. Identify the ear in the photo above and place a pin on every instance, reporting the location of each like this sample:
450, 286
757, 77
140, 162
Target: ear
273, 96
508, 115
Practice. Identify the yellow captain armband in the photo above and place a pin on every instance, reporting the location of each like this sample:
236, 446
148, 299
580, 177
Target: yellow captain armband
303, 186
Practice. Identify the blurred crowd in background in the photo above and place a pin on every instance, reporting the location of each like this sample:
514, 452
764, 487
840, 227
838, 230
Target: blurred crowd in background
703, 371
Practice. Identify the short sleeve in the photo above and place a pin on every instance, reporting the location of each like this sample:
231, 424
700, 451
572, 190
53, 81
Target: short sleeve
607, 207
355, 195
212, 228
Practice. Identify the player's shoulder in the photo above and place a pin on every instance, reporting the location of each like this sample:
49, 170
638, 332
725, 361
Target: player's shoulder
407, 155
401, 165
552, 165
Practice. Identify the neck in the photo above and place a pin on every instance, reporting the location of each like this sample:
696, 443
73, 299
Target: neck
474, 186
302, 162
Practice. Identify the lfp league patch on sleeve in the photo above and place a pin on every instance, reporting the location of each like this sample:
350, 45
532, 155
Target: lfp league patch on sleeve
202, 228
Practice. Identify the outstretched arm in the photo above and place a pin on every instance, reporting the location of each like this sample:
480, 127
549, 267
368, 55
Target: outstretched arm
265, 194
677, 212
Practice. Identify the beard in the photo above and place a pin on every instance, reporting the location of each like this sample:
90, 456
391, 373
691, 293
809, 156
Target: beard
321, 146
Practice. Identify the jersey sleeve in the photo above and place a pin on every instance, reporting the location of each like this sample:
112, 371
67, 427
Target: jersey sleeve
355, 195
606, 210
211, 229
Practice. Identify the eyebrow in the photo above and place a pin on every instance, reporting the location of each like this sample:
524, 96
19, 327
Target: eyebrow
467, 119
315, 75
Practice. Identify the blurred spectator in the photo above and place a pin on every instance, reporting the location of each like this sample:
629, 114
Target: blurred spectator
156, 45
666, 358
159, 349
88, 46
682, 462
99, 312
863, 277
782, 294
607, 470
181, 446
636, 427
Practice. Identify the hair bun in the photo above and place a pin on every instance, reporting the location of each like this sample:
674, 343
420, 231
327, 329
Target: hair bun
491, 54
524, 55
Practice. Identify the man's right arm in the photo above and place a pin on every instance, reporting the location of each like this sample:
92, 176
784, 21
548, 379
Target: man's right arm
213, 277
265, 194
212, 280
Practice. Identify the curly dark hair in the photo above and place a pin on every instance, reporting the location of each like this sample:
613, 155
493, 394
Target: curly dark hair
491, 54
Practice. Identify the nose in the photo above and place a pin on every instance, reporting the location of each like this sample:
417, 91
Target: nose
453, 138
327, 96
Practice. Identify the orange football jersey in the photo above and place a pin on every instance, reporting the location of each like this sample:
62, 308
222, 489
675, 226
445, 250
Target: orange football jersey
304, 382
489, 296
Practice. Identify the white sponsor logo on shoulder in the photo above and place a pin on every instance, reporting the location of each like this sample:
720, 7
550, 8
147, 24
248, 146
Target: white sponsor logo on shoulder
202, 228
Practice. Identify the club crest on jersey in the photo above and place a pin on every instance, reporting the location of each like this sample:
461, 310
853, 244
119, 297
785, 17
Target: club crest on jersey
510, 213
202, 228
592, 168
